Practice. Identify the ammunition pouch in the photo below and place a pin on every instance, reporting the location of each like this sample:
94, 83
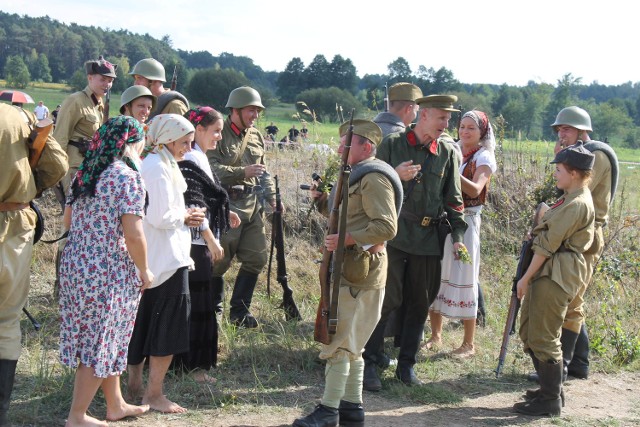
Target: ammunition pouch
82, 145
355, 266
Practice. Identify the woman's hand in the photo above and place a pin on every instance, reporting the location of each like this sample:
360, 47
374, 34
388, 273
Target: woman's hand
194, 217
217, 252
234, 220
146, 278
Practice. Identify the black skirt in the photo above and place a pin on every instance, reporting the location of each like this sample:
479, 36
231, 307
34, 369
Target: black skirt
162, 322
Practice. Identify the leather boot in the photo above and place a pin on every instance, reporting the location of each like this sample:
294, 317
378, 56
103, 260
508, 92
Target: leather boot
218, 293
579, 366
371, 380
481, 317
407, 375
548, 401
568, 343
322, 416
7, 375
351, 414
239, 313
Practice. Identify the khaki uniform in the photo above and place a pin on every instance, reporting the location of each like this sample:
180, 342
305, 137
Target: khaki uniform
565, 233
18, 187
175, 107
235, 151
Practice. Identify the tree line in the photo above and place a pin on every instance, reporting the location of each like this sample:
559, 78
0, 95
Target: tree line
43, 49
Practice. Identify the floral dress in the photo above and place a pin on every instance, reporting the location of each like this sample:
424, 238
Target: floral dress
98, 280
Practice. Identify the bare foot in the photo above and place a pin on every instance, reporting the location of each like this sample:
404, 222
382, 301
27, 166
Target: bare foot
126, 410
433, 344
133, 393
201, 376
465, 351
85, 421
162, 404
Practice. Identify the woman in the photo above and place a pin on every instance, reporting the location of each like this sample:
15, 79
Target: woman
99, 287
204, 191
555, 275
162, 324
458, 294
137, 102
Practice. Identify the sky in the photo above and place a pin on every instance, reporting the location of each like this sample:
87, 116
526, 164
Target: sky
495, 41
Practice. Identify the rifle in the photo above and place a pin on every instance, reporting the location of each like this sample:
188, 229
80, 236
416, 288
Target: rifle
526, 255
174, 79
277, 239
37, 141
386, 96
107, 101
460, 113
330, 268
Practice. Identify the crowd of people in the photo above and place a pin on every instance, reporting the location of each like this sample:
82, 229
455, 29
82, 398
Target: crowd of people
161, 199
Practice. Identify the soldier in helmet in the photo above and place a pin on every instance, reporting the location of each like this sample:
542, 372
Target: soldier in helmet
239, 163
573, 124
150, 73
137, 102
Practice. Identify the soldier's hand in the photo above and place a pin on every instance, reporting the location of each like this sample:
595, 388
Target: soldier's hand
331, 242
234, 220
252, 171
315, 194
407, 170
523, 286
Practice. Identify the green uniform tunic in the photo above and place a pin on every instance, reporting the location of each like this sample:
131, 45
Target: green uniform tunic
564, 234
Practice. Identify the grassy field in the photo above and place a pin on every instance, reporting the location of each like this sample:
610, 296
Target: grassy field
274, 369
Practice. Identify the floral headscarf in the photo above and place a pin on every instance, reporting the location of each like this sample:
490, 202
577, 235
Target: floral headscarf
487, 139
107, 144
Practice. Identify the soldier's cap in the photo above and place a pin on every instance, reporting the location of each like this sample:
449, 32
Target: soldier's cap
101, 66
404, 92
576, 156
441, 102
365, 128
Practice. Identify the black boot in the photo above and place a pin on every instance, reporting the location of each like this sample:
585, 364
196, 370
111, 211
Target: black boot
548, 401
218, 293
406, 374
239, 313
322, 416
481, 316
579, 365
351, 414
568, 343
7, 375
371, 380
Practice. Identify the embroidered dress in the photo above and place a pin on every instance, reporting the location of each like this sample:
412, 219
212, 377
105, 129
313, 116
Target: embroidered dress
98, 280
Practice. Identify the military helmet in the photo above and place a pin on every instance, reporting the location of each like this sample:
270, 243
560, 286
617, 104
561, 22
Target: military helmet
244, 96
150, 69
575, 117
136, 92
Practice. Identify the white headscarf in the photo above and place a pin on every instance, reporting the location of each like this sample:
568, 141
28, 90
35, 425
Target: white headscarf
164, 129
487, 138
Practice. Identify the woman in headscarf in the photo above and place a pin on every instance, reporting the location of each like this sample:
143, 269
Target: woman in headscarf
99, 285
458, 294
204, 191
162, 324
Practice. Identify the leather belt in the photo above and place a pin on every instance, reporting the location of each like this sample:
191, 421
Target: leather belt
12, 206
242, 189
425, 221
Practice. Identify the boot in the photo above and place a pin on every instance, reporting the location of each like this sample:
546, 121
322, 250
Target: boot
351, 414
7, 375
322, 416
371, 380
481, 317
548, 401
568, 343
218, 294
241, 301
406, 374
529, 395
579, 365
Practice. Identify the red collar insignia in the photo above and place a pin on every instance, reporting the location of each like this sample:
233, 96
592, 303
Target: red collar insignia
433, 147
235, 129
411, 137
558, 203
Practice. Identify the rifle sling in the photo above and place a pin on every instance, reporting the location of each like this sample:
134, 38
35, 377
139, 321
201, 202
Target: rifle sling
338, 259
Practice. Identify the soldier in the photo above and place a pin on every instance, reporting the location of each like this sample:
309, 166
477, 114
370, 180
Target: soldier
137, 102
18, 186
150, 74
375, 197
402, 108
428, 164
238, 161
573, 124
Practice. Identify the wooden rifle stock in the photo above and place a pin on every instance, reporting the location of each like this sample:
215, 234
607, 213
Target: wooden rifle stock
174, 79
331, 269
37, 141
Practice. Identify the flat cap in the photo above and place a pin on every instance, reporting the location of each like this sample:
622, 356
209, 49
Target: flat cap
441, 102
101, 66
576, 156
364, 128
404, 92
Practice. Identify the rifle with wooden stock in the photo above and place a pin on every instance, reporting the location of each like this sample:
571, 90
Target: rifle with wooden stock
291, 311
37, 141
174, 79
526, 255
331, 267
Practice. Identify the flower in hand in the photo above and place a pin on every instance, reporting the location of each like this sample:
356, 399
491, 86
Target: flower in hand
463, 255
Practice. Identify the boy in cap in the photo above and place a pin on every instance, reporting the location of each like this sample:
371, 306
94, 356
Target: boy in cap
402, 108
150, 73
556, 273
375, 197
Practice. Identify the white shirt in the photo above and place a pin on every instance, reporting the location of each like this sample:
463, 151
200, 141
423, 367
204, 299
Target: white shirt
41, 112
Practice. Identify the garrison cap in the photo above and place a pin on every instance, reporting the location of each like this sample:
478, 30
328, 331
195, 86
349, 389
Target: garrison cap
404, 92
101, 66
576, 156
365, 128
441, 102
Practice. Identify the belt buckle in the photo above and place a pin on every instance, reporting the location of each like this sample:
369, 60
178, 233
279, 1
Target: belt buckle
426, 221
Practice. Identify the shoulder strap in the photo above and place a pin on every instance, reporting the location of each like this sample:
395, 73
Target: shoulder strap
613, 159
165, 99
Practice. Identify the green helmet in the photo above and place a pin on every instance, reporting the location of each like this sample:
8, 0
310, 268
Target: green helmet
150, 69
575, 117
136, 92
243, 97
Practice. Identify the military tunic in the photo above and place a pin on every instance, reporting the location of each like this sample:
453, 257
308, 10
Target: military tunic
18, 187
389, 123
564, 234
236, 150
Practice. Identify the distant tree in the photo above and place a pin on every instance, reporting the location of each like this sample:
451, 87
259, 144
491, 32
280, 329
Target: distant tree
343, 74
291, 81
399, 70
166, 39
16, 72
563, 96
212, 86
323, 102
40, 69
318, 73
124, 80
198, 60
78, 80
609, 121
373, 86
